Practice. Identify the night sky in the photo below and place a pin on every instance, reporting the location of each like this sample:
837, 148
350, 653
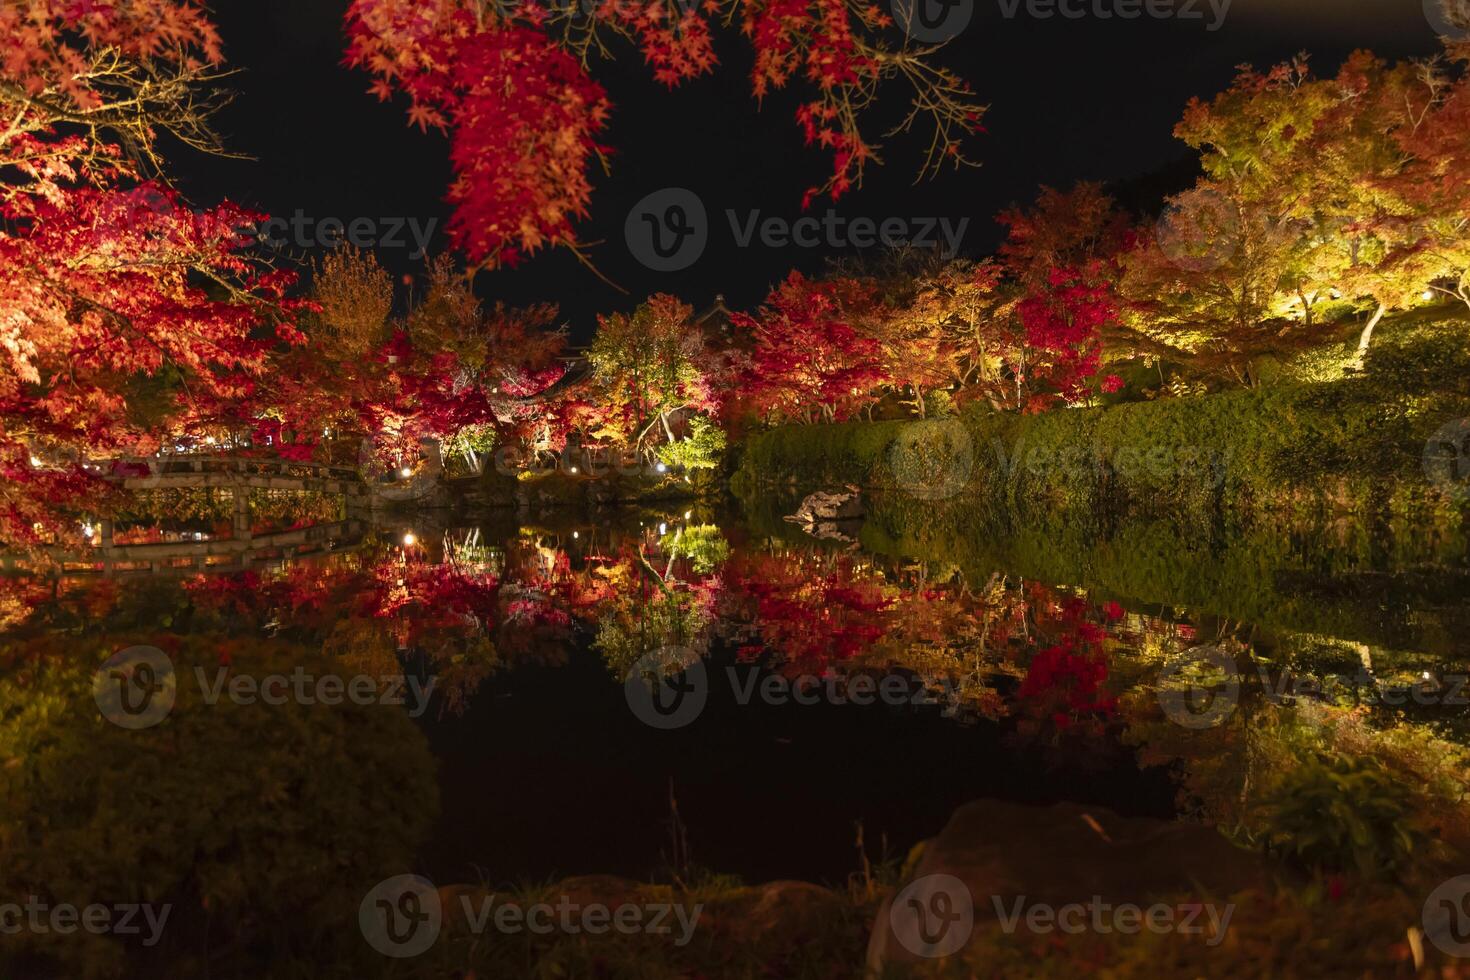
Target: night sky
1070, 100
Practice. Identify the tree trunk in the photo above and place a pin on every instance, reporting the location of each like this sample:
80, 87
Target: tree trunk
1367, 337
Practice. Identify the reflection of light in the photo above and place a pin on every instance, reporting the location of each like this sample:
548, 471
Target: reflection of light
406, 472
661, 468
409, 540
663, 528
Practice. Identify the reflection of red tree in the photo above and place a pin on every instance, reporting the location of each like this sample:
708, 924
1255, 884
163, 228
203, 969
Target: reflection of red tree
808, 615
1064, 683
426, 598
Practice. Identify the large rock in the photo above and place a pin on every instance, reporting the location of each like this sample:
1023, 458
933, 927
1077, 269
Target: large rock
1059, 855
822, 507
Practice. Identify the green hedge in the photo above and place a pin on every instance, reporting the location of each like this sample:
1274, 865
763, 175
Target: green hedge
1353, 445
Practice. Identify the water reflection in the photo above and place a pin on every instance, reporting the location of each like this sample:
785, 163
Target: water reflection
261, 822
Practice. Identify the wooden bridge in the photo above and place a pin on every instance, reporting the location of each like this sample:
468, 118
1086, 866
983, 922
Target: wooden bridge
243, 549
186, 557
233, 472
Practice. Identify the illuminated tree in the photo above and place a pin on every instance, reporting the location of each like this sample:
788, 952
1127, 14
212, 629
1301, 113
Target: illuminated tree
1207, 283
120, 307
355, 296
909, 321
647, 367
813, 354
1060, 261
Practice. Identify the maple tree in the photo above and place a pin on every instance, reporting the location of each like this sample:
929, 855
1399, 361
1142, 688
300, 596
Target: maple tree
451, 373
120, 306
1317, 193
812, 350
1426, 228
1061, 265
510, 87
647, 368
354, 296
983, 339
909, 321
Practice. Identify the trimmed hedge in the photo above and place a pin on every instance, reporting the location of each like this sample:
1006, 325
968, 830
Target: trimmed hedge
1353, 445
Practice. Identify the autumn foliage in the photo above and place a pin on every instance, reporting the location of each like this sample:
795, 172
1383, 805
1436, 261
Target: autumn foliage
119, 304
508, 84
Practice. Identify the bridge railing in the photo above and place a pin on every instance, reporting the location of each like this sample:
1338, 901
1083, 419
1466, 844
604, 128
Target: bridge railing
216, 554
244, 465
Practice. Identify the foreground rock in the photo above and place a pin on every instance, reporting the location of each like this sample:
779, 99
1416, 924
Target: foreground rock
997, 858
777, 929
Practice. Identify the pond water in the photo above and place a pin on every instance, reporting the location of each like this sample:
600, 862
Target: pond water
660, 689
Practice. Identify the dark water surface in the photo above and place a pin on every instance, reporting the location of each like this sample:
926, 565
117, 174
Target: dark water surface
1035, 668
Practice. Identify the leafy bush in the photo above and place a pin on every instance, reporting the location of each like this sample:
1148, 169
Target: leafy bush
1336, 812
262, 825
701, 450
1351, 444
